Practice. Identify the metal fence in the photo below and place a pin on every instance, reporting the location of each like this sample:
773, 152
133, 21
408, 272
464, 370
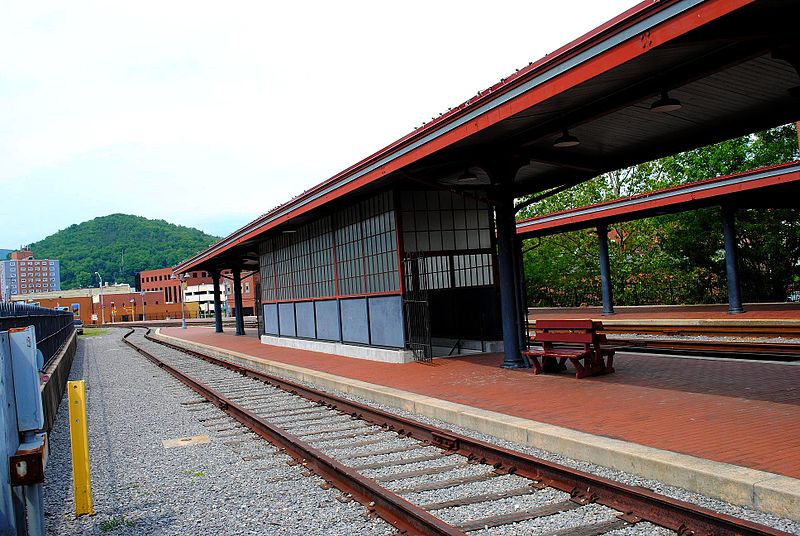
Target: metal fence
53, 328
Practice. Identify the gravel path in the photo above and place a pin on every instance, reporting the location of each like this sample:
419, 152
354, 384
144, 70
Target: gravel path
235, 484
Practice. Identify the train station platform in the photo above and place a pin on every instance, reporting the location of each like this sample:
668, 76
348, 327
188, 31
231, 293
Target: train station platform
727, 429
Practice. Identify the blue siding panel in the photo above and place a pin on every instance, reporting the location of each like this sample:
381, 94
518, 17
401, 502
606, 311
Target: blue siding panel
327, 320
386, 321
286, 320
355, 321
271, 319
304, 313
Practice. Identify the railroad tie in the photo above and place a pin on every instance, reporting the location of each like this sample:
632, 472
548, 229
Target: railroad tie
394, 450
520, 515
595, 529
366, 432
475, 499
420, 472
405, 461
443, 484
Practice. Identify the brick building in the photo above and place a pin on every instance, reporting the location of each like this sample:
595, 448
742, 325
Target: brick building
161, 279
198, 289
24, 274
248, 293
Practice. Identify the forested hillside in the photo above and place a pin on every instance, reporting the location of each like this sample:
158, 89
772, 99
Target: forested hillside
675, 258
118, 246
4, 253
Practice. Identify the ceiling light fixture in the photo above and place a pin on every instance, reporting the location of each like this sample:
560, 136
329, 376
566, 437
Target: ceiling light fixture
665, 104
468, 178
566, 140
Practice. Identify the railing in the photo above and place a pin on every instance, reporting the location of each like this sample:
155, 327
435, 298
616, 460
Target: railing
53, 328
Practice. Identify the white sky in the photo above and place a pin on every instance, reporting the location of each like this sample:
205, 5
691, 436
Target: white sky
208, 114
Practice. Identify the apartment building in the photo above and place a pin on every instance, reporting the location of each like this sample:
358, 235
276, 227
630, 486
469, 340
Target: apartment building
24, 274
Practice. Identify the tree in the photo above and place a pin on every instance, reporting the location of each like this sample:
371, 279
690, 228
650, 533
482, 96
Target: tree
118, 246
674, 258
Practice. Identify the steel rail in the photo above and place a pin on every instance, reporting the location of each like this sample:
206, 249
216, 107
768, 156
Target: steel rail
635, 503
753, 349
753, 329
397, 511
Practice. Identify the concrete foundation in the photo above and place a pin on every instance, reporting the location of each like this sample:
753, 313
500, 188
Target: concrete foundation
371, 353
443, 347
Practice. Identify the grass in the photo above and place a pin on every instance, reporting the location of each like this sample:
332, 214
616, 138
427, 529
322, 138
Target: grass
94, 332
115, 522
194, 473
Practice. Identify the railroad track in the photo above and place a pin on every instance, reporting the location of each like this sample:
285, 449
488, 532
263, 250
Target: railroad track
419, 478
749, 350
677, 339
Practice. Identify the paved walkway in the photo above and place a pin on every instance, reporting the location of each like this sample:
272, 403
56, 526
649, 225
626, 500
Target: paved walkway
745, 414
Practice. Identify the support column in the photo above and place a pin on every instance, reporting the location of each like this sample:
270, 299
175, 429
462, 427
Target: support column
217, 303
509, 305
731, 268
605, 270
237, 300
521, 292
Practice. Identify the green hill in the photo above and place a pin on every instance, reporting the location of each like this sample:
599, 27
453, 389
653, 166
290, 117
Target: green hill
118, 246
4, 253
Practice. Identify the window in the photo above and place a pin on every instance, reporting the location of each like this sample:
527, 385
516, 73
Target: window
52, 263
246, 288
352, 252
454, 233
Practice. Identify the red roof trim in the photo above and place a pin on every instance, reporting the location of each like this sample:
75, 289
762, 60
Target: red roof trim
640, 202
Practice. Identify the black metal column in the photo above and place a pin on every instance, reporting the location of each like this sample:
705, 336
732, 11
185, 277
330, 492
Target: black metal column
521, 293
731, 268
237, 300
605, 270
217, 303
509, 305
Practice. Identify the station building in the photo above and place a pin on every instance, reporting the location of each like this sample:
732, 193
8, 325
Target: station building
413, 252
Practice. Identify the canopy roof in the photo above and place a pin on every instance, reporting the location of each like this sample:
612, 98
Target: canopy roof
772, 187
731, 63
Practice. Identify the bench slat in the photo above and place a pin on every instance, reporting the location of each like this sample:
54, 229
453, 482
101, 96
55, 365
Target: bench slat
566, 324
587, 338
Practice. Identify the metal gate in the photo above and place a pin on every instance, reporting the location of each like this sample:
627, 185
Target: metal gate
417, 309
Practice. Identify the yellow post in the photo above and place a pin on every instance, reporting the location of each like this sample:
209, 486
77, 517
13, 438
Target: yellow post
79, 439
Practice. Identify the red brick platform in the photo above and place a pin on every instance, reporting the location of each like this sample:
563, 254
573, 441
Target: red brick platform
746, 414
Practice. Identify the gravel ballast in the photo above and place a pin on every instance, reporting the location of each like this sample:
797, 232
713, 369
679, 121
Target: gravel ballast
140, 487
671, 491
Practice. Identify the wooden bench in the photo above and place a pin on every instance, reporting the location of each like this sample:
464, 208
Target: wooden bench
589, 359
